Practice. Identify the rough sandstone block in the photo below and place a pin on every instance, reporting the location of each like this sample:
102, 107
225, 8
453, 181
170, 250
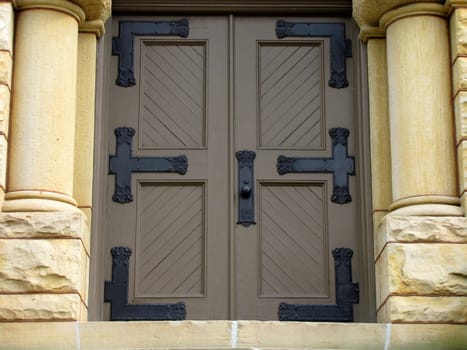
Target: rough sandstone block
420, 229
458, 29
40, 307
40, 265
45, 225
6, 26
459, 75
5, 68
411, 309
3, 161
423, 269
464, 203
460, 110
4, 108
462, 164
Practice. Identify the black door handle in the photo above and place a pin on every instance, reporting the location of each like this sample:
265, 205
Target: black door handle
246, 198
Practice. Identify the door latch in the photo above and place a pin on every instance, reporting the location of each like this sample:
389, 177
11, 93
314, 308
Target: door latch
246, 178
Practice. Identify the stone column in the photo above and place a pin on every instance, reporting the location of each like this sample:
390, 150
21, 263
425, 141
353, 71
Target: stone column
421, 111
419, 246
42, 128
44, 237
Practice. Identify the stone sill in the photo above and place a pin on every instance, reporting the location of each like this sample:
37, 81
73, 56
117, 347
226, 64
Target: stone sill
230, 335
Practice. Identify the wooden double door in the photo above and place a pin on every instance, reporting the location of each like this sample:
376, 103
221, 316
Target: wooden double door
205, 89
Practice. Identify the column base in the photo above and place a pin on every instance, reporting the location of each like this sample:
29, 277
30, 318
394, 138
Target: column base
33, 201
427, 205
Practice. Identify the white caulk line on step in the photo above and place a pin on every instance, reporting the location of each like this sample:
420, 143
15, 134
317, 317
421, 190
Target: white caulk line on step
234, 334
78, 336
388, 336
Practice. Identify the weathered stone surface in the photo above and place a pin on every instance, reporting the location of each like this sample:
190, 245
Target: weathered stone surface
220, 335
462, 164
95, 9
40, 265
424, 309
45, 225
427, 336
458, 29
459, 74
4, 108
40, 307
6, 26
464, 203
423, 269
308, 335
460, 110
5, 68
3, 161
39, 335
369, 12
145, 335
420, 229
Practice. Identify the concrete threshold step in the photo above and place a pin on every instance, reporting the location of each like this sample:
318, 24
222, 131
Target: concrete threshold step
229, 335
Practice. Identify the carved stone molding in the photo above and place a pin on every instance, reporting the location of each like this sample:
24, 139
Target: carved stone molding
369, 12
58, 5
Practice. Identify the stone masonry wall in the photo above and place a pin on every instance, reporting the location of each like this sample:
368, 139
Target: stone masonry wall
6, 70
458, 24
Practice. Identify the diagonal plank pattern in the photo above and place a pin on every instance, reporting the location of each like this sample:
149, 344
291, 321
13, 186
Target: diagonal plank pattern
292, 241
171, 241
172, 111
290, 89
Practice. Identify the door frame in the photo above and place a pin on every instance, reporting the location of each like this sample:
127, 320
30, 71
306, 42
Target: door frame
104, 77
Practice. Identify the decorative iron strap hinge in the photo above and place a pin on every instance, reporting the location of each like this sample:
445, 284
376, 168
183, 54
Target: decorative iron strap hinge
341, 48
123, 45
116, 293
122, 164
341, 165
347, 294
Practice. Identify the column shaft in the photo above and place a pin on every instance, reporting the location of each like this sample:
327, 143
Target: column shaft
422, 147
40, 174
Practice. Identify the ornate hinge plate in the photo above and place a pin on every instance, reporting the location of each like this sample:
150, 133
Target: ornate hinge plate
116, 293
341, 48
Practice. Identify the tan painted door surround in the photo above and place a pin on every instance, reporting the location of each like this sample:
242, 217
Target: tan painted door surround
232, 85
